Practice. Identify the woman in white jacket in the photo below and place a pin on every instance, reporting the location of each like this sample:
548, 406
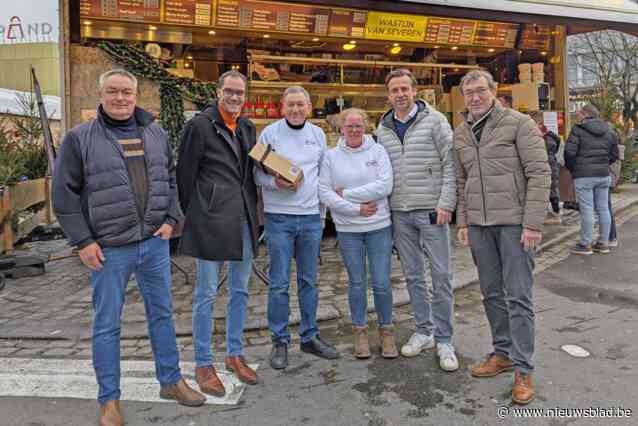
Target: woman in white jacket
355, 181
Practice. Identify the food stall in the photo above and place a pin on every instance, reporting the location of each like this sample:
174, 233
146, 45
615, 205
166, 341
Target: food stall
339, 54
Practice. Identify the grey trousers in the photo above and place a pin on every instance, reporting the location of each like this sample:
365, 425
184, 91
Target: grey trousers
415, 238
506, 280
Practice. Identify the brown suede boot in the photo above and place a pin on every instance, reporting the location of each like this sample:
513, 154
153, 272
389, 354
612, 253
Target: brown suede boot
361, 343
494, 365
183, 394
388, 343
110, 414
523, 390
209, 382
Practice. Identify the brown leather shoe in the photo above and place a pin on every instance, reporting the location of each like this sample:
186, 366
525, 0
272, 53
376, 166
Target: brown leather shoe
237, 364
183, 394
494, 365
361, 343
110, 414
388, 343
209, 382
523, 390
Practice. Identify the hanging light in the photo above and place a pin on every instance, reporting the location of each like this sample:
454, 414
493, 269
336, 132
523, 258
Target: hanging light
396, 49
349, 46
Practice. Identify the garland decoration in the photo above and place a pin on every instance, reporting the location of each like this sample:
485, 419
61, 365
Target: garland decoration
173, 89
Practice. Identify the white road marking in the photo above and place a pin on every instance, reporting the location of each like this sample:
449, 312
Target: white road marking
57, 378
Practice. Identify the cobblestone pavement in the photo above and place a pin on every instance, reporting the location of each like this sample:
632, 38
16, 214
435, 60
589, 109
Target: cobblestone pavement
50, 315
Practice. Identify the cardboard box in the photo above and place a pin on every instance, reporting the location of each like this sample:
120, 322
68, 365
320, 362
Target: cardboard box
276, 164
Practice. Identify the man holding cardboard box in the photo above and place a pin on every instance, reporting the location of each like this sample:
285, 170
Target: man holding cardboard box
293, 221
219, 197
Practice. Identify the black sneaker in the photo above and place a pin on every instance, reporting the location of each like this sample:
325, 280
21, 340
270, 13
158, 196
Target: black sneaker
279, 356
582, 249
320, 348
601, 248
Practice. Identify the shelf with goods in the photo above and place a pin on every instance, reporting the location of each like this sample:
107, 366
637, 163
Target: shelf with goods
328, 98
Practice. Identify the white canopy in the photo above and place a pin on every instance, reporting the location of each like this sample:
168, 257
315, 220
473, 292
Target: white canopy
9, 103
625, 11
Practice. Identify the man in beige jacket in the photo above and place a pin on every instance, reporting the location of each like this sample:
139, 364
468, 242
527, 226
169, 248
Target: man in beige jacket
503, 181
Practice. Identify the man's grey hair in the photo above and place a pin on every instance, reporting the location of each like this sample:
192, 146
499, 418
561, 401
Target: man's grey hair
590, 111
118, 71
231, 73
296, 89
475, 75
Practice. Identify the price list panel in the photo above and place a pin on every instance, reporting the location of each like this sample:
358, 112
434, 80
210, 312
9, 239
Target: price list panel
495, 34
536, 37
290, 18
188, 12
450, 31
347, 23
126, 10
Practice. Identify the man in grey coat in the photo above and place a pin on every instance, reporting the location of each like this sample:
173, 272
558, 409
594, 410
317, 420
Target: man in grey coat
503, 181
418, 140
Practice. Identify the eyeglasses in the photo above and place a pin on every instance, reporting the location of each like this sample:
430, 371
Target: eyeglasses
481, 92
229, 93
354, 127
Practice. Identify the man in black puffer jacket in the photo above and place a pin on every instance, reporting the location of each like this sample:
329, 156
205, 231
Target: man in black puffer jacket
116, 200
591, 147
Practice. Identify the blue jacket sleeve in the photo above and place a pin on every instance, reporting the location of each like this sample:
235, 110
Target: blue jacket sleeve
67, 192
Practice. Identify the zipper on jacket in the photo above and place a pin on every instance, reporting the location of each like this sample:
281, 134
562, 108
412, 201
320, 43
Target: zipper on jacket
478, 159
405, 137
148, 182
128, 178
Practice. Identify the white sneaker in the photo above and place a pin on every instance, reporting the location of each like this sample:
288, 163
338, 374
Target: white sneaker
416, 344
613, 243
447, 357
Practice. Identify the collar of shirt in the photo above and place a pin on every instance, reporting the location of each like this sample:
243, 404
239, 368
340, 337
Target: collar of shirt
411, 114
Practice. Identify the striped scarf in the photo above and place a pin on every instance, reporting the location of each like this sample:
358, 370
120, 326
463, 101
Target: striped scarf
479, 125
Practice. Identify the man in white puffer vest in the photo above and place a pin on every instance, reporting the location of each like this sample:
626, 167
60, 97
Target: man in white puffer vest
418, 140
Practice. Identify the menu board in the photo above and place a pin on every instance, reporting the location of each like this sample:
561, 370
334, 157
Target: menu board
188, 12
535, 37
347, 23
495, 34
125, 10
449, 31
259, 15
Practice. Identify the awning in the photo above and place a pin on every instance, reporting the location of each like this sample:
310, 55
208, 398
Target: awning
9, 103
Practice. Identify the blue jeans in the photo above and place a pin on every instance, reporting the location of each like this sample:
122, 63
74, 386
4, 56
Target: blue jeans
288, 236
593, 194
415, 239
204, 298
150, 261
377, 245
612, 228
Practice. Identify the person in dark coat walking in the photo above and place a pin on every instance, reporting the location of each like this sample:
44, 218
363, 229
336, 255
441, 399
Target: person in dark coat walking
116, 200
552, 145
219, 198
591, 147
